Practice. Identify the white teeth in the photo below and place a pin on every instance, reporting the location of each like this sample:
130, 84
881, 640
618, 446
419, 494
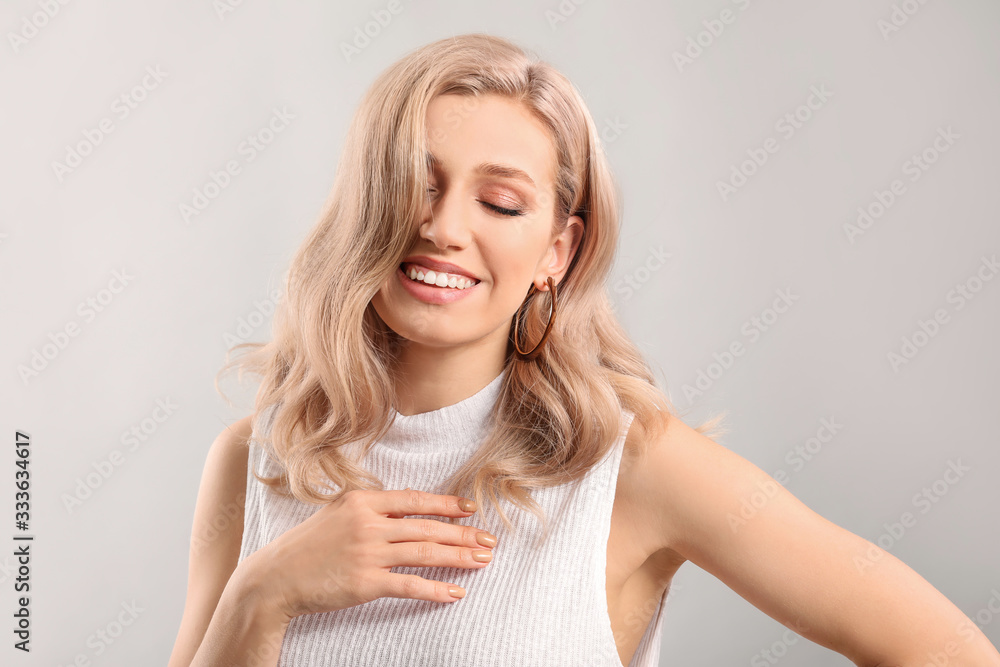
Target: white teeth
440, 279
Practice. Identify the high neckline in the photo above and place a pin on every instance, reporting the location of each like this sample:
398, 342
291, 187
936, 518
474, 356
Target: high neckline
458, 426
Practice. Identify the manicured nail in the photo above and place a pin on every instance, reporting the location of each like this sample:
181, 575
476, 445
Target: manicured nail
486, 539
456, 592
482, 555
467, 505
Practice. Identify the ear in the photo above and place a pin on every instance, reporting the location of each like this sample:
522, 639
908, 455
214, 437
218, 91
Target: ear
560, 254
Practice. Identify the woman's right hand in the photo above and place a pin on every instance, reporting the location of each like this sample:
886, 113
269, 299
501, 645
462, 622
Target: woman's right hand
341, 555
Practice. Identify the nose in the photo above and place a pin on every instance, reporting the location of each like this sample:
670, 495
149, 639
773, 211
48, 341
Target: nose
445, 223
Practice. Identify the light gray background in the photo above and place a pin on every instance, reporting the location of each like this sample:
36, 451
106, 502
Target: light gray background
681, 131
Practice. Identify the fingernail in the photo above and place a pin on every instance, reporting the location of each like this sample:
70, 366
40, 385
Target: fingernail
467, 505
482, 555
456, 592
486, 539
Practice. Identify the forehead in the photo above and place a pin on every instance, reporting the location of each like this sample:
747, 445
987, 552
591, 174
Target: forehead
464, 131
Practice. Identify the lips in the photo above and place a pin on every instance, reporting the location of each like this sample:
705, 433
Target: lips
422, 291
438, 266
414, 270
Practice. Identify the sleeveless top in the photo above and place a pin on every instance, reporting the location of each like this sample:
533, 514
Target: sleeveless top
531, 606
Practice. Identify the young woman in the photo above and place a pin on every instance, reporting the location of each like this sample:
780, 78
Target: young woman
446, 337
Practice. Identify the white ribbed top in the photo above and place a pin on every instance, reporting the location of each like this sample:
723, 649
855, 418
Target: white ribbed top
532, 606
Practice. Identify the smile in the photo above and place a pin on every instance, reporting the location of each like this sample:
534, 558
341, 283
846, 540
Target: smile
435, 293
437, 278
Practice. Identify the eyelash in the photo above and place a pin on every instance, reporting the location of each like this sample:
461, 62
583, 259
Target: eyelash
503, 211
499, 209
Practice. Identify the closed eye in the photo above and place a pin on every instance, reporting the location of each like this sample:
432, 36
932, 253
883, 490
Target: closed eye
513, 212
501, 210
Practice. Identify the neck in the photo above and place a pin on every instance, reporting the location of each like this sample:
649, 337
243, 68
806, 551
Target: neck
429, 378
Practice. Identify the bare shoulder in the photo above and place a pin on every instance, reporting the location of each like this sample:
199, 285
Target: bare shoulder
687, 481
216, 534
639, 484
225, 471
222, 493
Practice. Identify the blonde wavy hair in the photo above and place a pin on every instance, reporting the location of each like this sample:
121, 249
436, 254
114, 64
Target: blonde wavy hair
327, 374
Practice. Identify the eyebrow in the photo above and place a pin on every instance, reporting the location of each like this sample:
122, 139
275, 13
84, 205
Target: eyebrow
491, 169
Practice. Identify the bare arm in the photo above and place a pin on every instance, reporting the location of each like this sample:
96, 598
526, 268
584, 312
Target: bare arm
245, 631
220, 612
804, 571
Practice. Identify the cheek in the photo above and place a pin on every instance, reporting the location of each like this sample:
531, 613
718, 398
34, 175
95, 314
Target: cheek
389, 299
513, 263
511, 285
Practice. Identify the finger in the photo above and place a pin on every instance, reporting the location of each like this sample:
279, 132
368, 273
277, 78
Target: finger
441, 532
395, 585
404, 502
429, 554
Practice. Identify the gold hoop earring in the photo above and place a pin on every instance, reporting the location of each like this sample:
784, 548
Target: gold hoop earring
535, 351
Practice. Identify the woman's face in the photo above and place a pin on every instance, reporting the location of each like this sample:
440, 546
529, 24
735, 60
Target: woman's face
490, 213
